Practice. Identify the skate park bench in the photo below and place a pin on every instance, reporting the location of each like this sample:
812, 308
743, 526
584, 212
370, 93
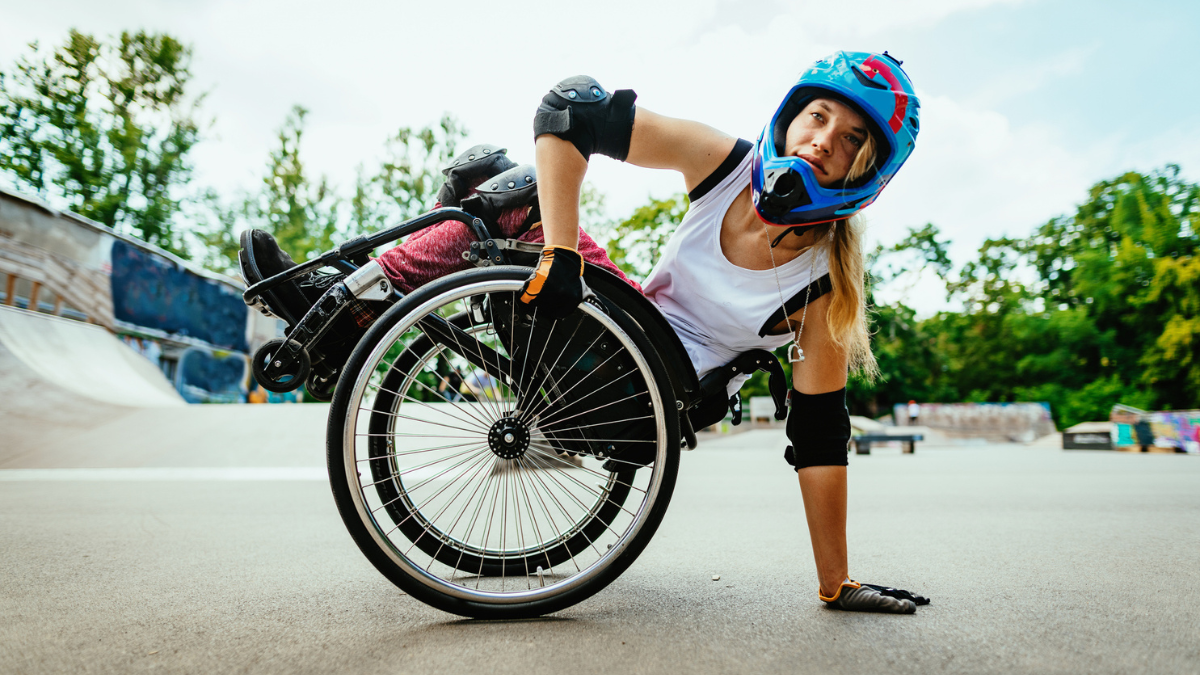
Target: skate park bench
762, 408
862, 443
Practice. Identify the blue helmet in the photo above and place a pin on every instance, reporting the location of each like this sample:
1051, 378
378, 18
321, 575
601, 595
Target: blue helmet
784, 188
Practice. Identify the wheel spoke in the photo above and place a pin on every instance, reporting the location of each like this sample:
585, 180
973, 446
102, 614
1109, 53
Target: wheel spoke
434, 392
404, 453
544, 424
466, 505
568, 493
477, 467
451, 500
575, 480
574, 363
590, 373
419, 486
405, 397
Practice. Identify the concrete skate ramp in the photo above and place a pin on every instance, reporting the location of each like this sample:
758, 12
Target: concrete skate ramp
60, 378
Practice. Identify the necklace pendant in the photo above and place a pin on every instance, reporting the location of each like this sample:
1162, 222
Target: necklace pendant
795, 354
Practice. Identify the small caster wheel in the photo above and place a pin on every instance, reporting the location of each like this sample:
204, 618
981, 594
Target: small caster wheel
288, 379
320, 388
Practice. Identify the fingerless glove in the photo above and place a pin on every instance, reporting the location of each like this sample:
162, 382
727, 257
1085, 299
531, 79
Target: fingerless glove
555, 288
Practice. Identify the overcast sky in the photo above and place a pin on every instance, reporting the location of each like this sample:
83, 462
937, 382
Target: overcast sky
1025, 104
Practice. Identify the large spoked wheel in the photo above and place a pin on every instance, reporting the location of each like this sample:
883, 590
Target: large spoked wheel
497, 464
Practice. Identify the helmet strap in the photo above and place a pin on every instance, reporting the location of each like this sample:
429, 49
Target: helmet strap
786, 232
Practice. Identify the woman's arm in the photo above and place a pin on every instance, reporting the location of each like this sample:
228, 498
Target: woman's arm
825, 364
691, 148
657, 142
560, 170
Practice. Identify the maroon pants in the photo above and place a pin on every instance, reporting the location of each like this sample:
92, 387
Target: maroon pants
437, 251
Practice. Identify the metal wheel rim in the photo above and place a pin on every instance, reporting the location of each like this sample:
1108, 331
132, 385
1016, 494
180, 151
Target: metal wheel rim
375, 527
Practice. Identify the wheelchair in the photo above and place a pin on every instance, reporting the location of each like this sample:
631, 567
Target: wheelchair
491, 462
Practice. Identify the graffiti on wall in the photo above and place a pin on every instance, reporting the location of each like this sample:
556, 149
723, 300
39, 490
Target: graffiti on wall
1018, 422
1179, 429
155, 292
211, 377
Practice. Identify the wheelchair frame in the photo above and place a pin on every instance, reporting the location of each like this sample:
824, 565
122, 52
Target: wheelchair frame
352, 258
614, 308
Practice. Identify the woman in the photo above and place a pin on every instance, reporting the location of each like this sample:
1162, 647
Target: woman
775, 224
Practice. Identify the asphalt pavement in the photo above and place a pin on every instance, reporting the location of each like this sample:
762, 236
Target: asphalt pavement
214, 546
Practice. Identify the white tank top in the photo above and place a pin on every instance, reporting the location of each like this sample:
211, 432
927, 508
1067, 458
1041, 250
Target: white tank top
718, 309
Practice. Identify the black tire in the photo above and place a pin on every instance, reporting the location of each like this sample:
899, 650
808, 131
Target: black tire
290, 380
318, 389
591, 543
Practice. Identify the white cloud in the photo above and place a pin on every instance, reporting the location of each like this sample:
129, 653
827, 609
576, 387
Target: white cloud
1029, 79
975, 176
831, 21
365, 69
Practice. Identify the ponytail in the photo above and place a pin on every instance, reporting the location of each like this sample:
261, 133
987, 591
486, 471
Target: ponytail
847, 314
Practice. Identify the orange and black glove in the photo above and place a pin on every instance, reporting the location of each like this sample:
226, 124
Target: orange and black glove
555, 288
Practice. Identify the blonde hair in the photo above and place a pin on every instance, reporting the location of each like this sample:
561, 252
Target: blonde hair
847, 314
863, 160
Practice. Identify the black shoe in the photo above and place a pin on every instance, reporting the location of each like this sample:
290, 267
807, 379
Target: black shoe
261, 258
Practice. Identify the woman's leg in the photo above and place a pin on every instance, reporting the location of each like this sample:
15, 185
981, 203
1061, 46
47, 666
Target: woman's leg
588, 249
437, 251
824, 490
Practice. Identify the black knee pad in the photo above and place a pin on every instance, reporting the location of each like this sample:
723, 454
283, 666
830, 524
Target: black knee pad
579, 110
818, 426
511, 189
475, 165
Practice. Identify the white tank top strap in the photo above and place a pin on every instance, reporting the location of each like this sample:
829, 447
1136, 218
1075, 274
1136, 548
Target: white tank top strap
718, 309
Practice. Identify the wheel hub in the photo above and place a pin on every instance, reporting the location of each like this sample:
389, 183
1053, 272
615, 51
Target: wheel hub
509, 438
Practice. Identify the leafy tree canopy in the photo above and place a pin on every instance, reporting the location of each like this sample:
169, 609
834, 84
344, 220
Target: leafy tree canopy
307, 216
1094, 308
103, 129
636, 243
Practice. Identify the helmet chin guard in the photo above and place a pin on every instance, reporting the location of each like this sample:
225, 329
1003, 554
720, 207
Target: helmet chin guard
785, 189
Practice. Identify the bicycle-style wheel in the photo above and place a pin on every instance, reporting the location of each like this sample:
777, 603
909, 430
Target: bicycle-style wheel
493, 463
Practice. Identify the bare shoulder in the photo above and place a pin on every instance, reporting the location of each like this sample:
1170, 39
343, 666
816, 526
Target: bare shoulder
691, 148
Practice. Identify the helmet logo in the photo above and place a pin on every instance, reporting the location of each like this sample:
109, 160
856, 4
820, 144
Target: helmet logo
874, 65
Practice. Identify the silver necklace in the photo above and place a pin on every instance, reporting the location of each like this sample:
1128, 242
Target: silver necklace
795, 352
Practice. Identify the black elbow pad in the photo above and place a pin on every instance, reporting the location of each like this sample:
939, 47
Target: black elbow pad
579, 110
818, 426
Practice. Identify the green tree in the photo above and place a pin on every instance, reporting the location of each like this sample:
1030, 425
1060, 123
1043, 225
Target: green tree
406, 182
103, 129
300, 212
909, 365
213, 235
636, 244
1127, 258
306, 215
1093, 309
